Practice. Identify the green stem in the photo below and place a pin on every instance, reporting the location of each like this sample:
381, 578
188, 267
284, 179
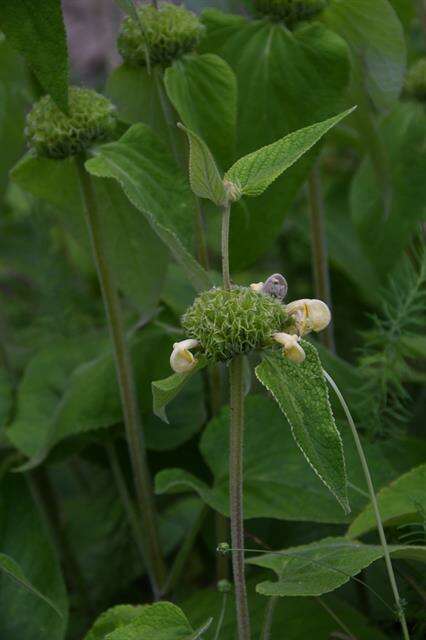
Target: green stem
375, 506
184, 553
236, 493
319, 250
134, 433
221, 617
123, 492
226, 215
269, 616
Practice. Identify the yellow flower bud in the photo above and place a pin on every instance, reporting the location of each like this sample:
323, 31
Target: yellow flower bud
291, 347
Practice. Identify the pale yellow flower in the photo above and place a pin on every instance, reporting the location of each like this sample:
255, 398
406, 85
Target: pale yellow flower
256, 286
291, 347
182, 360
309, 315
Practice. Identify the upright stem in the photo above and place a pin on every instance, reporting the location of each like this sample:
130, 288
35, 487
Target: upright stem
375, 506
125, 378
236, 493
226, 215
269, 617
319, 250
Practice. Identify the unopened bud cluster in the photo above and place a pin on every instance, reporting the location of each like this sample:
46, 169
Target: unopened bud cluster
290, 11
415, 84
54, 134
227, 323
166, 33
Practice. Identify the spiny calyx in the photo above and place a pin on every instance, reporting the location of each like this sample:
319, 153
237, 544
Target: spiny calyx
54, 134
415, 84
230, 322
167, 33
290, 11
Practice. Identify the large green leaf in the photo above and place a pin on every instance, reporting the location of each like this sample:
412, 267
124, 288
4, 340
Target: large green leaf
13, 84
376, 39
159, 621
302, 394
276, 70
203, 90
256, 171
24, 537
300, 617
37, 31
12, 570
138, 257
403, 500
70, 389
317, 568
155, 186
277, 481
386, 236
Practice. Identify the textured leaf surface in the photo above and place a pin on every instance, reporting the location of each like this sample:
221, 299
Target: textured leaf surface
137, 255
256, 171
276, 69
204, 175
302, 394
320, 567
163, 391
376, 38
37, 31
203, 90
277, 481
384, 237
300, 617
112, 619
24, 537
403, 499
156, 187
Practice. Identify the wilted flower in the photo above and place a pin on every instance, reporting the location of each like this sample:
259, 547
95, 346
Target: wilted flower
182, 360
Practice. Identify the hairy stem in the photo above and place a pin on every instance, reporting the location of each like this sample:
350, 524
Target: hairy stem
269, 616
226, 215
236, 493
319, 250
371, 491
134, 432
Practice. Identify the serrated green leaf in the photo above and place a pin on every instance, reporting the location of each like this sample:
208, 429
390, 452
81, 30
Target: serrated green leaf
203, 90
204, 175
42, 610
163, 391
376, 38
302, 394
256, 171
401, 501
160, 621
156, 187
37, 31
112, 619
277, 481
321, 567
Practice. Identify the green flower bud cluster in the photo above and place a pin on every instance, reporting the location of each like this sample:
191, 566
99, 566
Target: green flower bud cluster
231, 322
415, 84
54, 134
168, 32
290, 11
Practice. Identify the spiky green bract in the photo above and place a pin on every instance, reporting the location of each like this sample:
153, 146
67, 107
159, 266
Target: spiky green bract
290, 11
415, 85
53, 134
168, 32
230, 322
